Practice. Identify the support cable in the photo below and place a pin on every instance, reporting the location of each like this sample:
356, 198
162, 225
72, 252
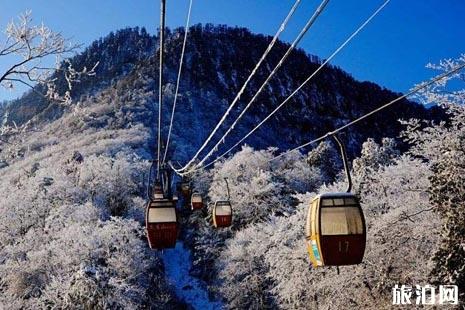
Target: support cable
304, 30
241, 91
160, 83
199, 165
186, 31
357, 120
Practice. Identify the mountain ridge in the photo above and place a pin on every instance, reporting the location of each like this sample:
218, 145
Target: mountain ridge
217, 62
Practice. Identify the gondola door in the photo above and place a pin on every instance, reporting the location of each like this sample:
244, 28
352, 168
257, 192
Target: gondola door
341, 232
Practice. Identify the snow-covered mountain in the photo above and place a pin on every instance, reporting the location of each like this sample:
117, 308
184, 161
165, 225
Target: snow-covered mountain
72, 185
218, 61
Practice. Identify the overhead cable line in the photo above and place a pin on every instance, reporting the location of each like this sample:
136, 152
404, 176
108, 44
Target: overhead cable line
199, 165
160, 83
304, 30
241, 91
186, 31
357, 120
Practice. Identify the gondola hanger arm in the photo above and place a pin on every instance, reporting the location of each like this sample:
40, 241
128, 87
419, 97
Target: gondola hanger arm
343, 152
227, 187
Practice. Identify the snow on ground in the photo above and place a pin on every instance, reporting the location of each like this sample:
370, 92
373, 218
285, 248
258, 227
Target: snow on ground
188, 288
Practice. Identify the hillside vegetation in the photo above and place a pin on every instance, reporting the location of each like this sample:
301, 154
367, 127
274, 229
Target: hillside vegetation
72, 184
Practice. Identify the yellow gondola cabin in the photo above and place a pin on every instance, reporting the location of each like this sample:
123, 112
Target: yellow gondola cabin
335, 230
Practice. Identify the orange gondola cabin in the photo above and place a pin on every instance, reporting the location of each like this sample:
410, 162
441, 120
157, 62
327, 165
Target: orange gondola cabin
335, 230
222, 214
161, 224
196, 201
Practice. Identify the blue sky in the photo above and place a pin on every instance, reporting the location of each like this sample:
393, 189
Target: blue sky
392, 51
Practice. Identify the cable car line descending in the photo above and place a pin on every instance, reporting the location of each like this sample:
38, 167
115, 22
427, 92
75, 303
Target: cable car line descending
239, 94
160, 82
161, 218
302, 33
350, 38
357, 120
186, 31
335, 229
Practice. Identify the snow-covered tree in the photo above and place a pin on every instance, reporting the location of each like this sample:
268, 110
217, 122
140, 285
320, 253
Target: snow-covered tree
272, 255
327, 158
111, 182
297, 173
29, 46
442, 145
373, 156
254, 194
72, 210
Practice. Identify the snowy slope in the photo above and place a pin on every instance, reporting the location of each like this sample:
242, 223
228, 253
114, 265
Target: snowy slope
94, 207
189, 289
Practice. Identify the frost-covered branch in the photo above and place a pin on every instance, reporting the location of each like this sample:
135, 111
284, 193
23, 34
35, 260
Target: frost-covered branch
30, 45
404, 216
439, 93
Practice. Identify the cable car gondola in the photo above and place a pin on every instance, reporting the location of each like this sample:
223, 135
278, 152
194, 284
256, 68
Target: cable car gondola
222, 214
185, 188
161, 224
335, 230
157, 192
222, 211
196, 201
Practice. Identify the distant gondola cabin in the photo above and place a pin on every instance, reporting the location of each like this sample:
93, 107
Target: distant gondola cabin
222, 213
335, 230
196, 201
185, 189
157, 192
161, 224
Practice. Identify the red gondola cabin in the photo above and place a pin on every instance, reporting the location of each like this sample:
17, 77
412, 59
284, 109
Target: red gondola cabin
161, 224
196, 201
222, 214
335, 230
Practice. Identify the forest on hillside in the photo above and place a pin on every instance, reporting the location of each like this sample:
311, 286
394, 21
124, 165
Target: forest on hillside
74, 176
